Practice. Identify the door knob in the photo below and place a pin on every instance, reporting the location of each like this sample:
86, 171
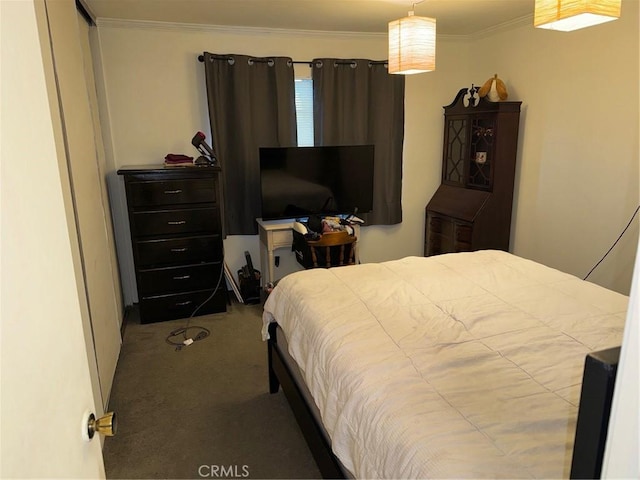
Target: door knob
107, 425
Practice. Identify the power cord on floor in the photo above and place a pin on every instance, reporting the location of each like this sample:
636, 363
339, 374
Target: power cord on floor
203, 333
174, 335
614, 243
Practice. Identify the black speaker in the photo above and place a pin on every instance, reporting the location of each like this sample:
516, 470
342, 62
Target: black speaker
593, 413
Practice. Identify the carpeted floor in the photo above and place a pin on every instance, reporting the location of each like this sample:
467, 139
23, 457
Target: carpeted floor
203, 411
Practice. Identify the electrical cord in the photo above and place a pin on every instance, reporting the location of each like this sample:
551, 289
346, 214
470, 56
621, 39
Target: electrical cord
201, 335
202, 331
614, 243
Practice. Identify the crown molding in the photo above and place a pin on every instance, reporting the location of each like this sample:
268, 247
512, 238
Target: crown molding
260, 31
503, 27
235, 30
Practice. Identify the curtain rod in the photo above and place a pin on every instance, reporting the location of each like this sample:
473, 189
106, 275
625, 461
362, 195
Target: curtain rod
308, 62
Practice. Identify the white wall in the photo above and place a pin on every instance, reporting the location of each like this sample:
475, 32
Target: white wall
155, 100
577, 178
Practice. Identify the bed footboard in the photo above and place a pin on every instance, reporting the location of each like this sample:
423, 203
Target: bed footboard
280, 376
596, 397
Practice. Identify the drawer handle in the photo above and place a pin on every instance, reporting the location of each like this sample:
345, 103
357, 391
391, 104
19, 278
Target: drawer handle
183, 277
183, 249
182, 304
177, 222
169, 192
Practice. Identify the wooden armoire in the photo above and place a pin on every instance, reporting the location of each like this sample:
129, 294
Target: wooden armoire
471, 210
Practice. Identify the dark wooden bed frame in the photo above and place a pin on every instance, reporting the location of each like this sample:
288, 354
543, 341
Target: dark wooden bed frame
591, 429
280, 376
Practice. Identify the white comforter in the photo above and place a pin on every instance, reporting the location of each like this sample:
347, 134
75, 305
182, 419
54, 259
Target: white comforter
462, 365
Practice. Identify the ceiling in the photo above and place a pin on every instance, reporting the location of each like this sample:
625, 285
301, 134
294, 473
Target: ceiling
454, 17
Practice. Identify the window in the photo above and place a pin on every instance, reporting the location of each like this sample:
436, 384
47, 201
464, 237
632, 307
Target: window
304, 111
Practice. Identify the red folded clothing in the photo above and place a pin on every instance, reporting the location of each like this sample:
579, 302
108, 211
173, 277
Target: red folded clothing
177, 158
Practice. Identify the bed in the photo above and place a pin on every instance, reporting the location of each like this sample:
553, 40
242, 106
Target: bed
464, 365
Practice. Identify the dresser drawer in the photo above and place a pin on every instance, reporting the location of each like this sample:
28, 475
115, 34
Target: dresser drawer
438, 244
171, 192
176, 222
179, 251
435, 223
463, 233
183, 305
441, 225
156, 281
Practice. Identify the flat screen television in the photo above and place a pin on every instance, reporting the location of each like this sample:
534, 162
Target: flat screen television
298, 182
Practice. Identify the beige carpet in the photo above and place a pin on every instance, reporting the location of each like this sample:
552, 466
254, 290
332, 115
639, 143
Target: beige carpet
203, 411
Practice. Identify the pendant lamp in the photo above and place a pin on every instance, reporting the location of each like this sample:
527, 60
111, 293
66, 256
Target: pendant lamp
412, 45
568, 15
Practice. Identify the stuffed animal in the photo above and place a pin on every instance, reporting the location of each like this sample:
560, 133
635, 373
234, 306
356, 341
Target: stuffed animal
494, 89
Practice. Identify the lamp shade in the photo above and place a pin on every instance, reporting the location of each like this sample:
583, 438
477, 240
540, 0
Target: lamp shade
412, 45
568, 15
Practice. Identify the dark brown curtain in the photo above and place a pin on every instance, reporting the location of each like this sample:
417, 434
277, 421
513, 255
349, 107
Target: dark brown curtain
356, 102
251, 105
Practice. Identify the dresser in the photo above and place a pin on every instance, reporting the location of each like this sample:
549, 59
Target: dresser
471, 210
176, 238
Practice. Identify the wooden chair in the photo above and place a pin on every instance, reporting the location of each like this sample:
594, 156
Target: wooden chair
341, 241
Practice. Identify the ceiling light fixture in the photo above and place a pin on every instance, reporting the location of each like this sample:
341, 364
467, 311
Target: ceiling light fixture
412, 44
568, 15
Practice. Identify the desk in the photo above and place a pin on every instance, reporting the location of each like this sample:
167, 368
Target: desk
278, 234
273, 234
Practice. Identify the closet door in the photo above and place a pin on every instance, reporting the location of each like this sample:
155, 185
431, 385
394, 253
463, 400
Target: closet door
68, 32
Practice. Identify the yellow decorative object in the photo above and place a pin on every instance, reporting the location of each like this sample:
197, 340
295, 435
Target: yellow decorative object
568, 15
412, 45
494, 89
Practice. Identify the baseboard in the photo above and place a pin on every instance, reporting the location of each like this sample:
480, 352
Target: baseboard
130, 314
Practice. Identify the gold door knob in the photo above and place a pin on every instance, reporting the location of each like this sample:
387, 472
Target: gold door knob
106, 425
